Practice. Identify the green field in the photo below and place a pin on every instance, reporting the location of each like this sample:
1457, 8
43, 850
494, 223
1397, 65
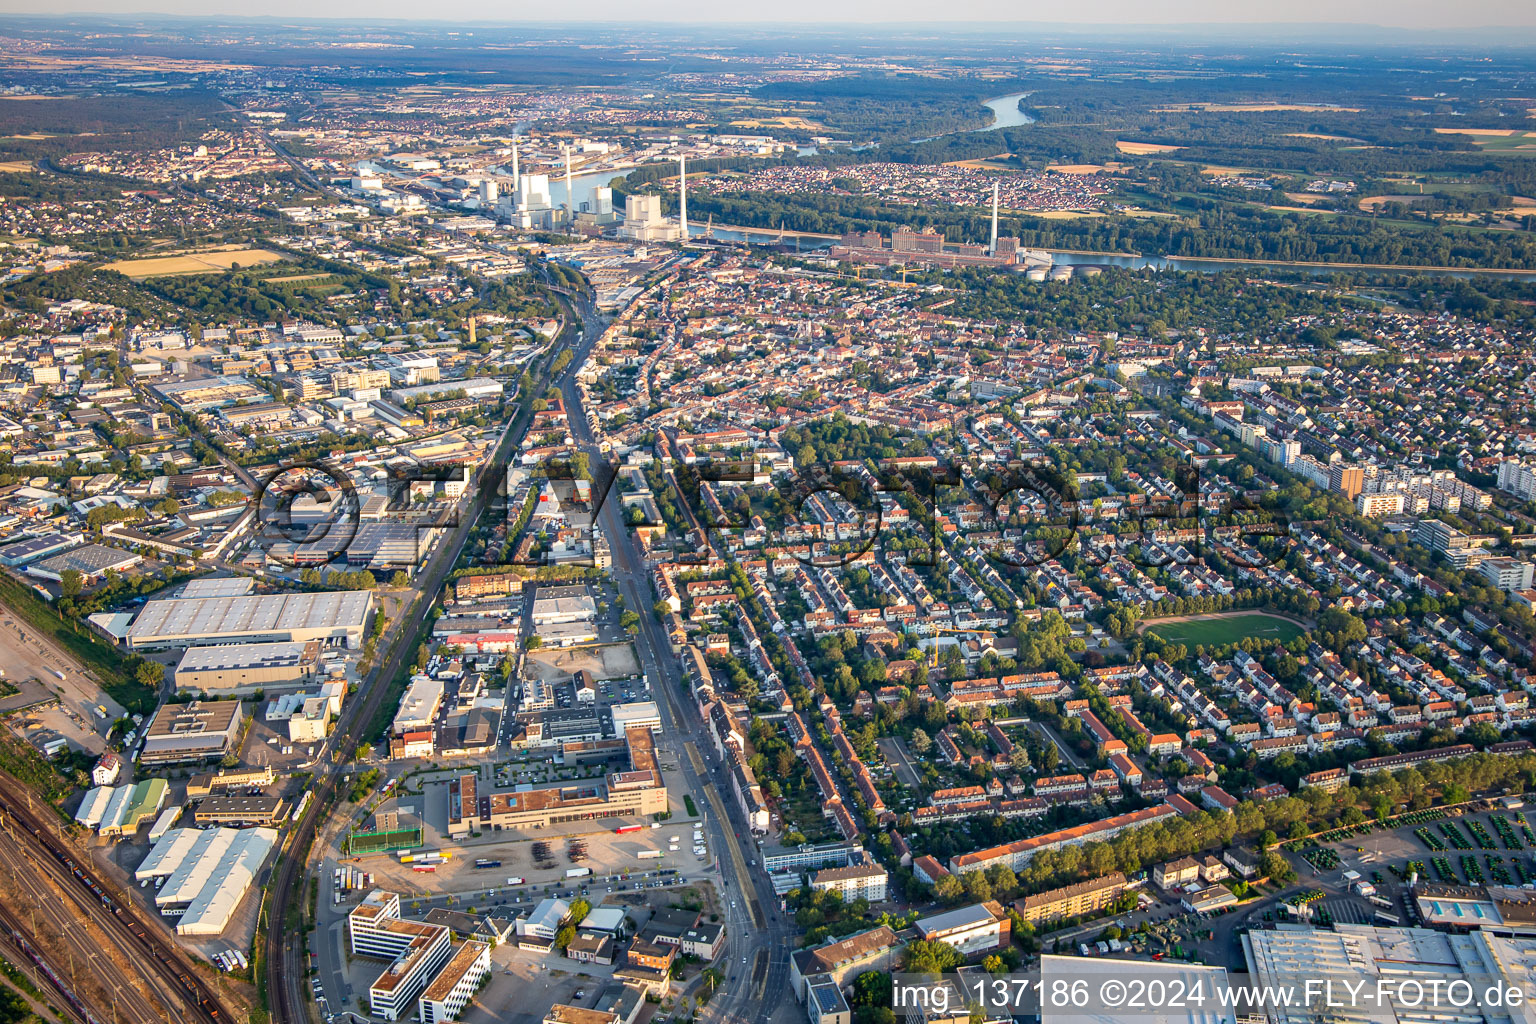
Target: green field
1214, 632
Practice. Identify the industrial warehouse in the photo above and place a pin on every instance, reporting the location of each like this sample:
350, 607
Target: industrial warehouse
246, 668
637, 792
291, 618
203, 874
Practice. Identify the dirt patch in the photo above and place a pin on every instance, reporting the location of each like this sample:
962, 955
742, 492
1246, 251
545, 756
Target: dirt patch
1499, 132
1143, 148
1106, 168
212, 262
611, 661
1325, 138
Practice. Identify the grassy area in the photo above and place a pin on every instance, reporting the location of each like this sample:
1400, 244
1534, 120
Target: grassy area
103, 660
28, 766
1229, 630
693, 810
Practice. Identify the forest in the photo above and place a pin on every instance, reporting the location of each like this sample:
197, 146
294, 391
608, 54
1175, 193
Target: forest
1201, 228
102, 123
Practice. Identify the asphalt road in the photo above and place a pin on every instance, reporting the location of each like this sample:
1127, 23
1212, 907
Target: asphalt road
752, 991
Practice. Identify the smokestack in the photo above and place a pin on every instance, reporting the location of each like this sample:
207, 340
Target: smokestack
682, 193
993, 250
471, 332
570, 192
517, 182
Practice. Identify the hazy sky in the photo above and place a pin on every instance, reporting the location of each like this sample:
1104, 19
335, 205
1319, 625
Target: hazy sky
1410, 14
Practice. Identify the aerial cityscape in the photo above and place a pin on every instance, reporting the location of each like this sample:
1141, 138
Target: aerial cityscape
605, 523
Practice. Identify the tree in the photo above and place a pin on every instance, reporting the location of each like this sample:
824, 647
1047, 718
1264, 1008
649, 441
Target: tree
564, 937
579, 910
534, 643
150, 674
949, 889
400, 580
926, 956
920, 743
71, 582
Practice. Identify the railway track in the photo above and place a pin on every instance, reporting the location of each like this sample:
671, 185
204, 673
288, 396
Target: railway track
43, 972
41, 910
113, 913
285, 964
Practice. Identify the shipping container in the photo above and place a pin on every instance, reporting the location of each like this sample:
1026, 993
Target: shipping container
628, 828
648, 854
577, 872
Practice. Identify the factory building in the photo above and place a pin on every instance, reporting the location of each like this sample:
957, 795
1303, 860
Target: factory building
206, 874
246, 668
91, 561
260, 618
638, 792
199, 731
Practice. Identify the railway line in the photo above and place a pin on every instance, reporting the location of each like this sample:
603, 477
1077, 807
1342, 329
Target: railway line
285, 963
41, 910
187, 998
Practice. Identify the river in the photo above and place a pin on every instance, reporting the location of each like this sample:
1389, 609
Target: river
1005, 114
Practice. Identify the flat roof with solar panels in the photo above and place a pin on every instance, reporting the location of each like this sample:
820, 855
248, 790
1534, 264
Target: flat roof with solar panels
189, 621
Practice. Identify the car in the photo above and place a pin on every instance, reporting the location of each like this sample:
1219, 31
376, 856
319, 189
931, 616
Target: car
743, 959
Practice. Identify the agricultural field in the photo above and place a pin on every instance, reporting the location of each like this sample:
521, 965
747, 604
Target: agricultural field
1214, 630
213, 261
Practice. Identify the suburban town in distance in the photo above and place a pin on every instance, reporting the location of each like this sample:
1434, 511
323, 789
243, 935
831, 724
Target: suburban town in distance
853, 523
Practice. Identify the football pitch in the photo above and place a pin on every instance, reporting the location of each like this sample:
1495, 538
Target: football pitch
1230, 629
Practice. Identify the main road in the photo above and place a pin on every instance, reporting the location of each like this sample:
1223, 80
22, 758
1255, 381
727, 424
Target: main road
758, 937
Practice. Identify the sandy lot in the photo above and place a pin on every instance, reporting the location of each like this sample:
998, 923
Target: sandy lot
1143, 148
614, 661
194, 262
1109, 168
1325, 138
1500, 132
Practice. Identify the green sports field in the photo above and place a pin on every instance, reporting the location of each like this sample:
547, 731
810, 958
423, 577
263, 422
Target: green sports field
1214, 632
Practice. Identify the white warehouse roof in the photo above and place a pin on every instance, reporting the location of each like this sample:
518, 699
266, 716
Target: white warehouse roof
208, 871
292, 616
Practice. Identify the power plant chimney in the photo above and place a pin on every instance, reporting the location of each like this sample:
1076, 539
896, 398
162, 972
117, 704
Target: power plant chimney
515, 185
993, 249
682, 193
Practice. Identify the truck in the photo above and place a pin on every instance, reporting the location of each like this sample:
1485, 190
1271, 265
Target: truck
577, 872
101, 709
514, 881
648, 854
627, 828
487, 863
